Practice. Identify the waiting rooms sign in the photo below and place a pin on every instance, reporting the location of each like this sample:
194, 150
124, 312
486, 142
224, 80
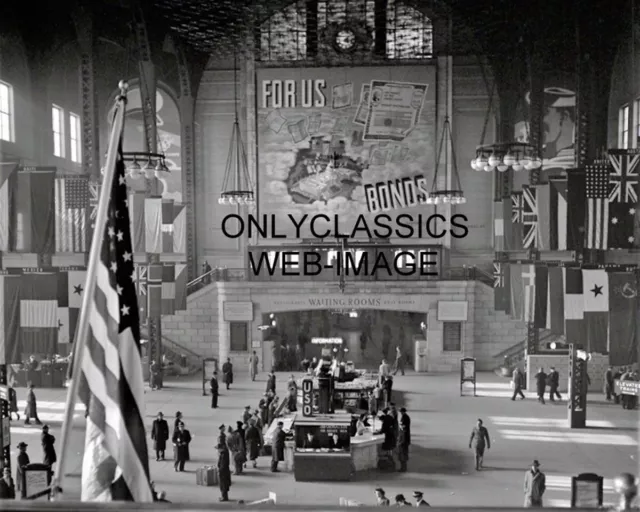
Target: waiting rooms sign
417, 303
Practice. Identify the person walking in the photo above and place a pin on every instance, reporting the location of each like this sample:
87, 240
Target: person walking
181, 439
160, 435
214, 387
534, 486
253, 365
479, 440
48, 450
541, 384
609, 384
517, 382
31, 411
277, 447
398, 365
13, 402
404, 439
227, 373
554, 383
253, 440
224, 472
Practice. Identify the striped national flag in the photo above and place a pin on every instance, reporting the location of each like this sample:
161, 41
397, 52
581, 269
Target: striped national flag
530, 217
529, 282
72, 203
597, 206
115, 465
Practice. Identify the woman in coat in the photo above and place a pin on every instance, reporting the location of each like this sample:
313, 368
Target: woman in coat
181, 439
160, 434
31, 411
48, 451
224, 473
23, 460
254, 442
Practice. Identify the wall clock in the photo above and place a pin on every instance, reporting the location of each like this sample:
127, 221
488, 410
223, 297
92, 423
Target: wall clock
345, 40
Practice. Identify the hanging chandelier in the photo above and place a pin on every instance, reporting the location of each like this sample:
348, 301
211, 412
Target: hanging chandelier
153, 164
452, 192
237, 188
519, 156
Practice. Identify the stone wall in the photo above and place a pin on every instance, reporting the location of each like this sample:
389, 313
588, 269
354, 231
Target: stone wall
596, 369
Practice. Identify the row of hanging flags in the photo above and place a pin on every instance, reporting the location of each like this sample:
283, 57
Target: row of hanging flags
594, 307
592, 208
39, 308
44, 213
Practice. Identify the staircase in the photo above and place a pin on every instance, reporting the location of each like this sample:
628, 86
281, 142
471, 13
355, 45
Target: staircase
507, 360
176, 351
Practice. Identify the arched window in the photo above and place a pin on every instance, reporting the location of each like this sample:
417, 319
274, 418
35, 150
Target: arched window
365, 29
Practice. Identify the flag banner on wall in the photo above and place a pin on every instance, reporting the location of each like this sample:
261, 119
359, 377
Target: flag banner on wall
498, 227
139, 278
168, 289
10, 317
137, 216
529, 285
596, 309
623, 308
7, 185
167, 225
576, 209
501, 287
38, 332
516, 283
180, 229
71, 215
153, 225
181, 287
555, 304
530, 217
623, 198
94, 199
541, 291
574, 325
154, 290
543, 201
597, 222
33, 210
75, 294
514, 221
558, 215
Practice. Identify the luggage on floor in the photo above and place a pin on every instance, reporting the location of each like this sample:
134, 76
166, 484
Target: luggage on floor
207, 476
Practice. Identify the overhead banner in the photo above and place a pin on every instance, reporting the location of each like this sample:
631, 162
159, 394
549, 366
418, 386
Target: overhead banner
328, 138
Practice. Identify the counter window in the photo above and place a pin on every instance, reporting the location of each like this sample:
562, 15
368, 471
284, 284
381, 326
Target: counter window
322, 438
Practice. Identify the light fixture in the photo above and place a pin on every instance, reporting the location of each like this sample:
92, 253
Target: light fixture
154, 164
237, 188
519, 156
452, 192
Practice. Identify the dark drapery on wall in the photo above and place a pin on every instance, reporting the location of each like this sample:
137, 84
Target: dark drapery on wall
11, 317
623, 313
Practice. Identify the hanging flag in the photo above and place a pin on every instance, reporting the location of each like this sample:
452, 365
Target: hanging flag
623, 198
139, 278
180, 229
512, 227
543, 202
576, 209
33, 214
558, 215
7, 186
168, 289
574, 326
498, 227
10, 318
115, 464
541, 296
167, 225
75, 293
596, 309
501, 287
154, 290
181, 287
138, 230
38, 313
623, 308
529, 284
516, 283
597, 225
530, 217
63, 312
153, 225
555, 304
71, 215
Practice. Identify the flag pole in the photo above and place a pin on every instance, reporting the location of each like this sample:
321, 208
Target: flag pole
82, 332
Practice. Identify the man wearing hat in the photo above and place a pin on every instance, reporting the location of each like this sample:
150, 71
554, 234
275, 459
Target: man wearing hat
383, 501
222, 437
419, 500
7, 487
214, 386
277, 447
160, 435
31, 411
23, 460
535, 483
48, 451
246, 415
401, 502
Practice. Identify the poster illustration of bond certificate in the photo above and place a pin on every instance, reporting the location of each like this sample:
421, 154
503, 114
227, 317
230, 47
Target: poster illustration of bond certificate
363, 106
394, 109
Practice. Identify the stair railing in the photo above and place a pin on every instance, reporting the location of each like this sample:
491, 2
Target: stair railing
175, 351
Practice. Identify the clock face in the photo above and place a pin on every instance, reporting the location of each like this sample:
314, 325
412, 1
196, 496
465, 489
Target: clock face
345, 40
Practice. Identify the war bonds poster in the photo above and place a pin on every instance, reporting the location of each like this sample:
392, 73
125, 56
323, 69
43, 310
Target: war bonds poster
324, 134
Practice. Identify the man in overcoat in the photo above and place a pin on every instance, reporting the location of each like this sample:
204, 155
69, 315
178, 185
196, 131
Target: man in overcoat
48, 450
271, 383
541, 384
404, 439
23, 460
517, 381
224, 472
534, 486
253, 440
160, 435
554, 383
227, 373
479, 440
277, 447
181, 440
214, 387
31, 411
253, 365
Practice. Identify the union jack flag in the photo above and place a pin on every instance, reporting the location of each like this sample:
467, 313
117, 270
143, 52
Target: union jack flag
623, 179
139, 278
94, 199
498, 275
530, 217
517, 208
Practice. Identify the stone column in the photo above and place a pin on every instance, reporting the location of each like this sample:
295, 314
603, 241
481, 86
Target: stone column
224, 341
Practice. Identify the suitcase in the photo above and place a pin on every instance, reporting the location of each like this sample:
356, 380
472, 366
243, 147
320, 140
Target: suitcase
207, 476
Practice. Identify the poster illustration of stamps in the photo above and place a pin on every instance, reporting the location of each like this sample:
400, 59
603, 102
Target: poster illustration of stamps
324, 133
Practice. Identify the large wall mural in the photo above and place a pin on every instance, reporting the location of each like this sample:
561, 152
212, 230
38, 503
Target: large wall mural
325, 133
168, 126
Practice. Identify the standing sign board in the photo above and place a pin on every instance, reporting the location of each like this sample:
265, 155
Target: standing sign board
36, 481
587, 491
467, 374
307, 397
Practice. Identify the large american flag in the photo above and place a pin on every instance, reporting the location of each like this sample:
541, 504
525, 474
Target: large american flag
71, 203
597, 227
115, 465
623, 178
530, 217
